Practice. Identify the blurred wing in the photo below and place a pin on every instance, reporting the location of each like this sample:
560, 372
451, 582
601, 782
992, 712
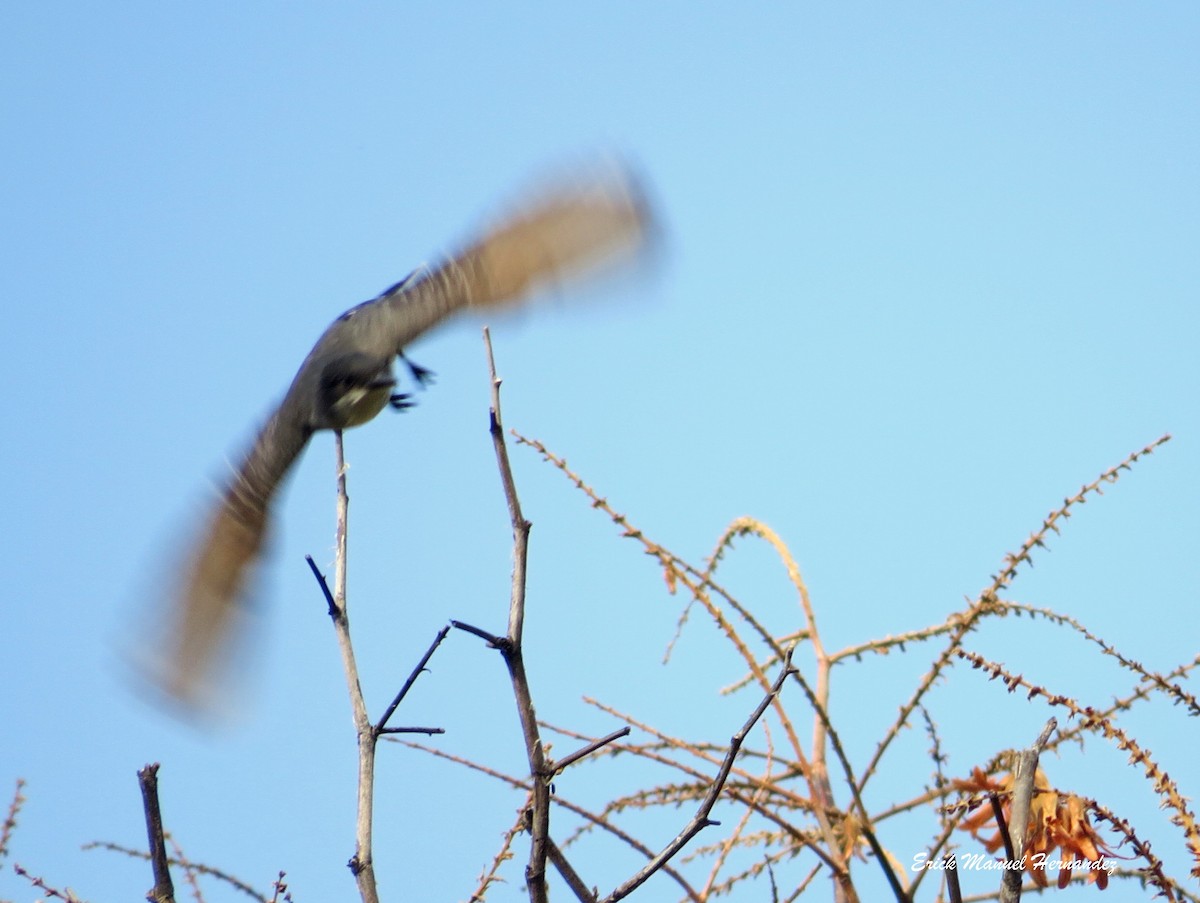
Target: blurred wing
215, 578
558, 235
564, 234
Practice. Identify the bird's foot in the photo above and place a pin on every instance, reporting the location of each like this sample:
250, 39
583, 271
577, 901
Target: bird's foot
422, 375
401, 401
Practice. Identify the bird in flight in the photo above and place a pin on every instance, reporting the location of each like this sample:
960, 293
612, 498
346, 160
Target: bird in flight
347, 379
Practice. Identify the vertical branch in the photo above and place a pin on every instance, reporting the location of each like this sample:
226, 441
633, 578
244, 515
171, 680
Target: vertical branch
163, 890
520, 526
363, 863
953, 889
510, 648
1024, 772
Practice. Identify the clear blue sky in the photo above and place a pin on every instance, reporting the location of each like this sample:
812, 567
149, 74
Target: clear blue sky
929, 268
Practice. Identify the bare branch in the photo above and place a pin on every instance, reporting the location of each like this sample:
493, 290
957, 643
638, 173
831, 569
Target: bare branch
700, 820
496, 642
1024, 770
510, 648
560, 862
361, 864
574, 757
163, 890
951, 873
381, 725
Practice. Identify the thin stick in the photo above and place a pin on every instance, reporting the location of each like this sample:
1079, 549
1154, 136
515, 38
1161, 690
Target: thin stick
381, 725
163, 890
589, 749
521, 527
362, 864
953, 889
582, 892
539, 770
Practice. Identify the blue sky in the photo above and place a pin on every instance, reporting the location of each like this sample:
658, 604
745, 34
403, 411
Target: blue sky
927, 269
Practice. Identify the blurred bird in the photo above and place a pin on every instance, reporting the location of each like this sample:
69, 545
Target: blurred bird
347, 379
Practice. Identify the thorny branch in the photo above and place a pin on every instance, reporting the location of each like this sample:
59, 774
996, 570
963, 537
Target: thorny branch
701, 819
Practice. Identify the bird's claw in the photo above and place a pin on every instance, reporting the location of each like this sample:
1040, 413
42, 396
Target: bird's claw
422, 375
401, 401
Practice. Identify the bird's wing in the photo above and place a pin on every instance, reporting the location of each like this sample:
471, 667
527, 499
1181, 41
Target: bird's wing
557, 235
214, 578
